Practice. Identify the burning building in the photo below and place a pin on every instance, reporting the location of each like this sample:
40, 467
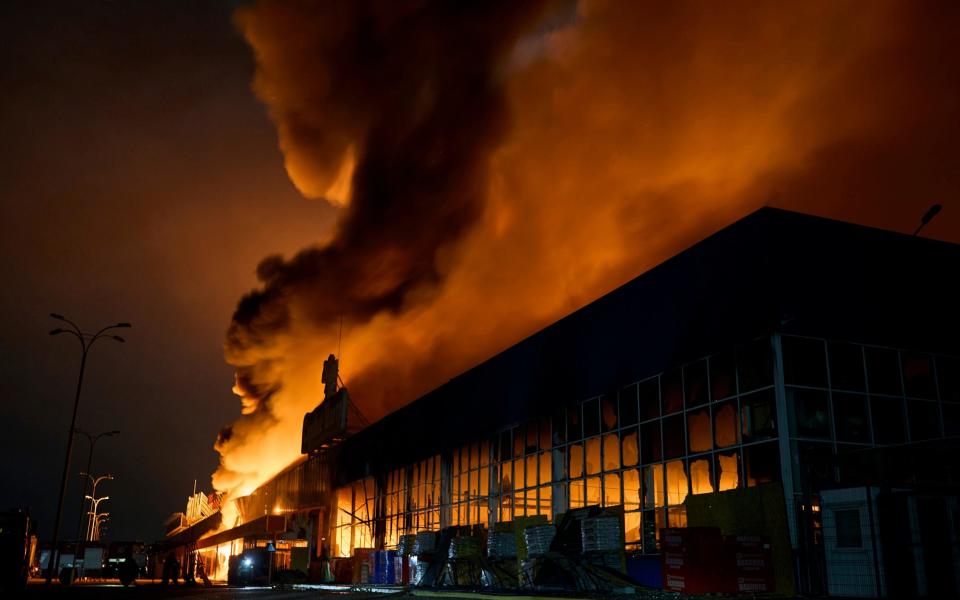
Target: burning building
789, 376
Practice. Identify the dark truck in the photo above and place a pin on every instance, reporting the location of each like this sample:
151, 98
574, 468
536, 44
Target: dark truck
18, 543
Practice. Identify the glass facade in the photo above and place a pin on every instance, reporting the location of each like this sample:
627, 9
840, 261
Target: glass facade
711, 425
848, 398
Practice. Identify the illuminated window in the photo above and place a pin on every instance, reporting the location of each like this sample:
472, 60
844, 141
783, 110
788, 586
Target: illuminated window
631, 528
593, 456
594, 490
577, 496
677, 483
611, 452
611, 489
698, 431
631, 489
728, 471
725, 430
575, 453
653, 495
701, 481
631, 448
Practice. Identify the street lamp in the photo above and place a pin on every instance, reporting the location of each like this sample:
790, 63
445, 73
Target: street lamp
94, 522
93, 493
87, 340
92, 439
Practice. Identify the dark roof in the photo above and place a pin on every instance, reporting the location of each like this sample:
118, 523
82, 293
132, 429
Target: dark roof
772, 270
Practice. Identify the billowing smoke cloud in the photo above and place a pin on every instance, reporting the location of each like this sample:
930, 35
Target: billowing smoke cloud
634, 130
392, 109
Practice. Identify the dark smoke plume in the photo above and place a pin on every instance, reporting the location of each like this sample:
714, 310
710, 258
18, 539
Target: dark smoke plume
406, 99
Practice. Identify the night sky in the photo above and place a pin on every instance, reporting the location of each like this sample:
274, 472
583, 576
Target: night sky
142, 179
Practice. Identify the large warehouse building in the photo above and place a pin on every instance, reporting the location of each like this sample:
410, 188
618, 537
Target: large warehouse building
786, 356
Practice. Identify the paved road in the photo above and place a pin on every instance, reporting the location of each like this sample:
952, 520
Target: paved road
152, 591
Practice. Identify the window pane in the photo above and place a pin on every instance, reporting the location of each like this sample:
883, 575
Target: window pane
545, 437
627, 400
816, 462
631, 447
948, 378
728, 471
761, 463
804, 362
673, 442
846, 367
701, 478
591, 417
924, 419
888, 420
577, 497
559, 428
677, 517
593, 490
631, 489
611, 452
695, 383
648, 393
723, 373
611, 489
883, 371
755, 365
672, 387
546, 475
505, 448
608, 407
531, 479
631, 527
532, 438
810, 412
653, 495
651, 450
851, 420
593, 456
545, 501
574, 424
918, 375
677, 484
758, 416
519, 441
725, 430
698, 431
575, 457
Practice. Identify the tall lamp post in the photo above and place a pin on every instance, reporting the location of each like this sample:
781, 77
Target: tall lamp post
94, 520
93, 493
87, 340
92, 439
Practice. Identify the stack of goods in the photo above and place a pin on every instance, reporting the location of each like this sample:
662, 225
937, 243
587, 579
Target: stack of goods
464, 547
599, 534
405, 544
538, 539
425, 543
463, 566
602, 541
502, 544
